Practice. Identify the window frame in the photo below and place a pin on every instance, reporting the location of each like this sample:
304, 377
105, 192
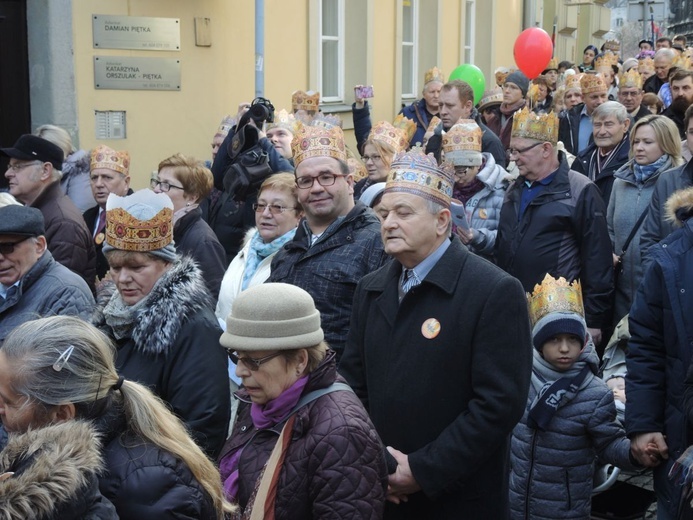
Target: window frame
341, 35
469, 30
414, 44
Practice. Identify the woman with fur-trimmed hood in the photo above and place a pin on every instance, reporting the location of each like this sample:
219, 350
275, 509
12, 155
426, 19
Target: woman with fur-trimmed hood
161, 319
51, 473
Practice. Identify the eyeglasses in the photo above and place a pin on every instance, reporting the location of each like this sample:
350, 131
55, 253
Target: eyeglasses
374, 158
517, 151
252, 364
18, 167
7, 248
163, 185
275, 209
324, 179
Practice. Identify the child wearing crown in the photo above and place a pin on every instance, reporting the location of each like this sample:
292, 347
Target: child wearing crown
570, 418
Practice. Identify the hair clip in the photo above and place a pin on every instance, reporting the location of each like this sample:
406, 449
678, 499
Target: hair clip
63, 358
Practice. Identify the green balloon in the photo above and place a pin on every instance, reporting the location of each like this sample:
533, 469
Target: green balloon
472, 75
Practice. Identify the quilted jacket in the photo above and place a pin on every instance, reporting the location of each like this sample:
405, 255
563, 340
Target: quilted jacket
330, 269
334, 466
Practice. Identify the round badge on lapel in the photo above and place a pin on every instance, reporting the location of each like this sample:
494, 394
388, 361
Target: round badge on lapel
99, 238
430, 328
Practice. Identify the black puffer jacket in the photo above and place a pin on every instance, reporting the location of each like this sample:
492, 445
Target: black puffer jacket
55, 475
334, 466
145, 481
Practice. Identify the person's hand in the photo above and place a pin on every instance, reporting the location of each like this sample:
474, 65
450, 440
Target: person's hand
242, 109
401, 483
649, 449
466, 235
596, 335
616, 259
359, 102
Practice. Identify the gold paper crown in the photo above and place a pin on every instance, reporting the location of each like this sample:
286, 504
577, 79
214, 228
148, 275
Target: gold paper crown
104, 157
606, 60
434, 74
405, 124
555, 296
533, 93
462, 143
384, 132
573, 81
419, 174
501, 74
433, 124
225, 126
491, 97
542, 127
318, 141
308, 101
612, 45
127, 233
590, 83
326, 120
283, 119
631, 79
357, 169
553, 64
645, 64
682, 62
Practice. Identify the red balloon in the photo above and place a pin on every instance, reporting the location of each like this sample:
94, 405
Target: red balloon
533, 50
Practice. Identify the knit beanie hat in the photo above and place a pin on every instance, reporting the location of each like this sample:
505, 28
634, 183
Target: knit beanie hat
519, 79
272, 316
556, 323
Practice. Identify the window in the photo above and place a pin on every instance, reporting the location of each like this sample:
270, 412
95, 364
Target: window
410, 47
331, 51
469, 21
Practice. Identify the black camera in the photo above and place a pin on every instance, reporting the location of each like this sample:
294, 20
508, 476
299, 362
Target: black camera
261, 110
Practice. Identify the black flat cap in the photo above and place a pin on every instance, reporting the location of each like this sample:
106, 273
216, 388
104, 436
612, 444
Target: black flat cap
21, 220
33, 148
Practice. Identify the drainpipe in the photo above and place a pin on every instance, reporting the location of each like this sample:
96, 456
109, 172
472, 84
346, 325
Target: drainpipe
259, 48
529, 14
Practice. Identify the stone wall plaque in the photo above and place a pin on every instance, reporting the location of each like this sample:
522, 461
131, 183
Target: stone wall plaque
136, 32
129, 73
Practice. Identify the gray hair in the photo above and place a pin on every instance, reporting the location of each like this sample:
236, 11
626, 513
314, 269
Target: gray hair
434, 207
611, 108
670, 54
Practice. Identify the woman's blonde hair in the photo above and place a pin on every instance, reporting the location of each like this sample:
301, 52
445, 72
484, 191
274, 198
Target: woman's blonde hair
61, 360
58, 136
196, 179
387, 152
666, 133
284, 182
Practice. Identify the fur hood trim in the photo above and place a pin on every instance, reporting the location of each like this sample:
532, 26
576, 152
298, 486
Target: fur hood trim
58, 461
248, 237
179, 294
679, 206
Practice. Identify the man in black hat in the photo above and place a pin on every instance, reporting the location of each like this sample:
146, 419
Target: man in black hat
34, 179
32, 283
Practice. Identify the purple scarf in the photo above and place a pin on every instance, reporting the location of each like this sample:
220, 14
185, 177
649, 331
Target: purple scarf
263, 416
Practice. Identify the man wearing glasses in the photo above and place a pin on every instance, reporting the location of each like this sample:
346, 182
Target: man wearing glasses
553, 220
34, 179
338, 241
32, 283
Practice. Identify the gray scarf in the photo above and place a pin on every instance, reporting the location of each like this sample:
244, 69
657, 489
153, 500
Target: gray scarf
121, 316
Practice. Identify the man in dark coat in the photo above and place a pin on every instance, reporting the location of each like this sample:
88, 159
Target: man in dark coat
609, 151
34, 178
553, 221
575, 130
630, 94
439, 351
338, 241
681, 84
423, 110
663, 60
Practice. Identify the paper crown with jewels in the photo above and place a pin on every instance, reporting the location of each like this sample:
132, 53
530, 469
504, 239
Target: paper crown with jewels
631, 79
542, 127
491, 97
419, 174
682, 62
462, 143
434, 74
283, 119
104, 157
590, 83
326, 120
318, 141
606, 60
308, 101
612, 45
573, 82
225, 126
405, 124
553, 65
646, 64
386, 133
554, 295
139, 222
357, 169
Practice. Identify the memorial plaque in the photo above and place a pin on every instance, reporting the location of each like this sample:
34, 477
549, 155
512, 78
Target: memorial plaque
136, 32
128, 73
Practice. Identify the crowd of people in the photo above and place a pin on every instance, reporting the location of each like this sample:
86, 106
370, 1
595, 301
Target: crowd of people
410, 329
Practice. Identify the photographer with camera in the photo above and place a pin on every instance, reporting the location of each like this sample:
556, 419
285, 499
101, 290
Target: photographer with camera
245, 159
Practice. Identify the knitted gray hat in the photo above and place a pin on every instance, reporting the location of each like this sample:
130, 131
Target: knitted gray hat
272, 316
519, 79
556, 323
